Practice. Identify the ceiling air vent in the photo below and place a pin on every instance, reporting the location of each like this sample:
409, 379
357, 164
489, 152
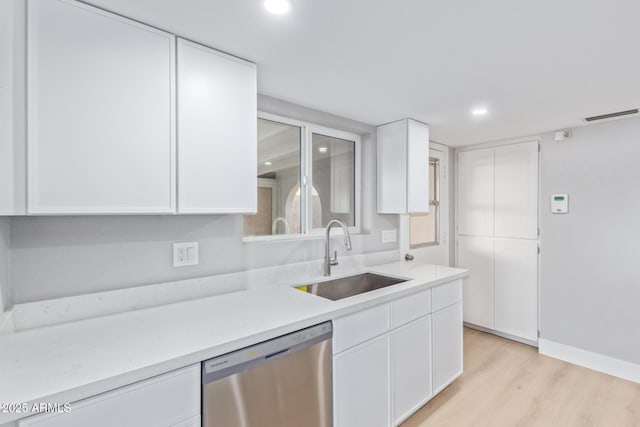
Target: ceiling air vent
612, 115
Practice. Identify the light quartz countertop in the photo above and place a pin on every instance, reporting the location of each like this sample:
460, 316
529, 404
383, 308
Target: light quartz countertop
75, 360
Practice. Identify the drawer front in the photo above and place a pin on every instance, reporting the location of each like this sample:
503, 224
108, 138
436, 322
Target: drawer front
447, 294
359, 327
167, 400
409, 308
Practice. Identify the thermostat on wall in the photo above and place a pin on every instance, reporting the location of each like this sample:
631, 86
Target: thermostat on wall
559, 203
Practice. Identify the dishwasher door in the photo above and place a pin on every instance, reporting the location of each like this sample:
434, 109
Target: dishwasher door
284, 382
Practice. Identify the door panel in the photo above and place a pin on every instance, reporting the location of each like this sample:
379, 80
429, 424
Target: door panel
411, 367
476, 254
101, 135
217, 132
516, 287
516, 190
361, 378
447, 346
475, 192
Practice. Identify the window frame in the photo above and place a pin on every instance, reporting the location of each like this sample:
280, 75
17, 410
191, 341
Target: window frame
434, 206
307, 130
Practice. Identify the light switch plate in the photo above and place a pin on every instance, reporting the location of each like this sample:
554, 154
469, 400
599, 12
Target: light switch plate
389, 236
185, 254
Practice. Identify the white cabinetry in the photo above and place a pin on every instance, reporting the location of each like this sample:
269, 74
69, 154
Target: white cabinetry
384, 359
410, 367
12, 104
361, 385
516, 290
101, 134
216, 131
497, 234
476, 254
447, 345
516, 191
168, 400
403, 167
475, 192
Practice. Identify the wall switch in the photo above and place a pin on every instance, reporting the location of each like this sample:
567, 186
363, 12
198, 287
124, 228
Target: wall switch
389, 236
185, 254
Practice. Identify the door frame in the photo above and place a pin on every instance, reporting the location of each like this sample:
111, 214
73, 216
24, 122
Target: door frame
430, 254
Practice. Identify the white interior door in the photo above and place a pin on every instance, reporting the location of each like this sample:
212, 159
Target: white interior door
419, 236
516, 287
475, 189
516, 190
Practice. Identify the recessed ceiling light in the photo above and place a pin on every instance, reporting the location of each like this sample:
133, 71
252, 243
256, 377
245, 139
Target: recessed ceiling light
268, 163
278, 7
479, 111
323, 149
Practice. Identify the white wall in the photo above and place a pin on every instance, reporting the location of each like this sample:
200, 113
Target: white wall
61, 256
590, 280
4, 263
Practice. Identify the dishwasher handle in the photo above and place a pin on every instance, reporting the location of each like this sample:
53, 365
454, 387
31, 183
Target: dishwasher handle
258, 354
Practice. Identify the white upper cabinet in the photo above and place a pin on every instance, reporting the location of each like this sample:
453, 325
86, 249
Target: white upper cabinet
12, 103
403, 167
475, 192
101, 134
217, 131
516, 190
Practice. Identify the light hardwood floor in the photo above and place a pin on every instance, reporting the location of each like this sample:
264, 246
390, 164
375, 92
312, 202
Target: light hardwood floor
506, 383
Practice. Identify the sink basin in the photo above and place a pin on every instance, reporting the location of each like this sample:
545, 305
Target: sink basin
349, 286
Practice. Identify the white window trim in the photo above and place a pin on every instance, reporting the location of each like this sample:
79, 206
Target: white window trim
306, 179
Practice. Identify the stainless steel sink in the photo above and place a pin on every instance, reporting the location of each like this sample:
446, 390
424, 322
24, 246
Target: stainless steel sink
349, 286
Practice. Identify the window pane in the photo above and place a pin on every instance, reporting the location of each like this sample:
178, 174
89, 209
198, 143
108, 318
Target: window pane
278, 181
423, 228
333, 192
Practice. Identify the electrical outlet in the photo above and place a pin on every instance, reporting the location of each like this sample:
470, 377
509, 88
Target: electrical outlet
185, 254
389, 236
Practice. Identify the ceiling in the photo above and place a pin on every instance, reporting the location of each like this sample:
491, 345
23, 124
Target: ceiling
535, 65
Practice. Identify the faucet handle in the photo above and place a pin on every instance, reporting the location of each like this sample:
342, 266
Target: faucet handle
334, 260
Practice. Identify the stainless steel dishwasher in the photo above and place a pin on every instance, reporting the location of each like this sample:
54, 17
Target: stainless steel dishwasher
283, 382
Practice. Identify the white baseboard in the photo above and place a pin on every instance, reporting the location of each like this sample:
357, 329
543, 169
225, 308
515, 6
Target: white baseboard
597, 362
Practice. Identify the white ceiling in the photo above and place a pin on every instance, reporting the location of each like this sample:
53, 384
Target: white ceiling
536, 65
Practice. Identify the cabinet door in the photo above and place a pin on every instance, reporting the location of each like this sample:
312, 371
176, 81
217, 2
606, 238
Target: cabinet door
516, 287
410, 367
475, 192
12, 105
447, 346
403, 167
101, 135
217, 132
172, 399
476, 254
516, 190
418, 167
361, 385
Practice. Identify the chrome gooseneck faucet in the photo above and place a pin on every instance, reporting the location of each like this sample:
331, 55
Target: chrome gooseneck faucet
328, 261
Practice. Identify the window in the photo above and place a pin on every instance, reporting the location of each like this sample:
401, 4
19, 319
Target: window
325, 161
424, 228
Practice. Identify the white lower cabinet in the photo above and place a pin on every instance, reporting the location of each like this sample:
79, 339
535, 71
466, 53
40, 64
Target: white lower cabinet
390, 359
168, 400
410, 368
447, 345
361, 385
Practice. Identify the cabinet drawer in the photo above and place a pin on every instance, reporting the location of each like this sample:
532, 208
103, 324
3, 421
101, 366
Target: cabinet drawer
166, 400
359, 327
409, 308
447, 294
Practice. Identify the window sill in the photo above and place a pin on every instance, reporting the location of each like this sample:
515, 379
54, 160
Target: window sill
314, 235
